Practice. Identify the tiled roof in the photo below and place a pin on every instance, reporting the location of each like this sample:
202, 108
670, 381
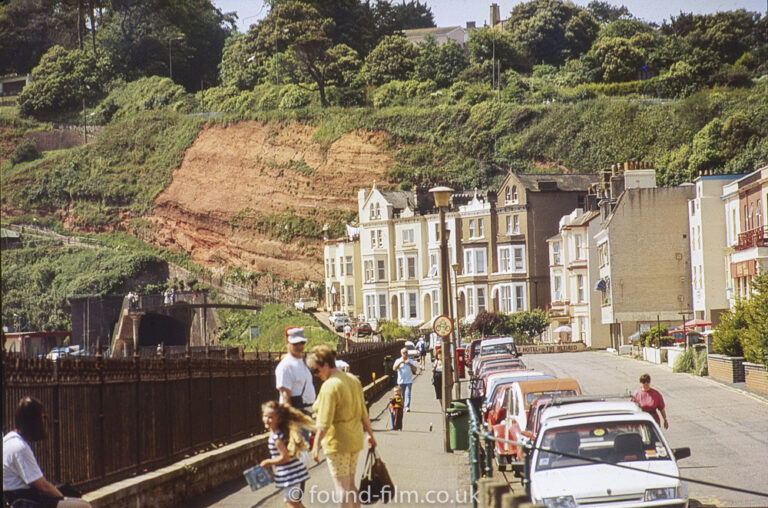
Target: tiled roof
398, 199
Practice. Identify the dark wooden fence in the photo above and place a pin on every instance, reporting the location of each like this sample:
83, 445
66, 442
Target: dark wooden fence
114, 418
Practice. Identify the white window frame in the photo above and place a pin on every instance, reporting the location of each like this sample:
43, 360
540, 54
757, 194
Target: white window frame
505, 299
472, 228
413, 304
472, 258
410, 265
370, 273
505, 259
518, 262
408, 236
470, 301
556, 253
350, 266
580, 288
381, 270
481, 304
351, 295
578, 247
516, 224
382, 297
435, 303
519, 297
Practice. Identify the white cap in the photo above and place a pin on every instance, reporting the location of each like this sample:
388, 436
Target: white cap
296, 335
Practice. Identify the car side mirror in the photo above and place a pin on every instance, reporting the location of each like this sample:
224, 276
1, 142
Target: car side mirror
681, 453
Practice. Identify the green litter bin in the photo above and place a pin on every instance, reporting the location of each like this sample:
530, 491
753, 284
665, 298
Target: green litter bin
458, 425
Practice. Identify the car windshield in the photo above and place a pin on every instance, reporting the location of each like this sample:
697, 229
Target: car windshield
604, 441
498, 349
531, 396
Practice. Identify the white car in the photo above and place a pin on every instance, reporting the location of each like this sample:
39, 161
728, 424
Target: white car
611, 432
413, 353
335, 315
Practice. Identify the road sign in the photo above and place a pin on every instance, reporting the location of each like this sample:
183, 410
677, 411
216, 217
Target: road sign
443, 325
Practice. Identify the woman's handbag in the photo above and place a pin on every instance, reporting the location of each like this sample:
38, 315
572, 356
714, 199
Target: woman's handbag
376, 484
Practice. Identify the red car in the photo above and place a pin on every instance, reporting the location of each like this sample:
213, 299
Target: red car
362, 329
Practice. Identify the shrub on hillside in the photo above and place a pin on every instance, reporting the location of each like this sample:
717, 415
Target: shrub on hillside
61, 81
293, 97
24, 151
397, 93
144, 94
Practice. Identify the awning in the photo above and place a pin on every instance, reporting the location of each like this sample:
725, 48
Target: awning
695, 323
601, 285
428, 325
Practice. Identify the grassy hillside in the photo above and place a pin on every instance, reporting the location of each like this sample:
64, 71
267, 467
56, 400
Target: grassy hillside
120, 173
457, 143
38, 281
271, 321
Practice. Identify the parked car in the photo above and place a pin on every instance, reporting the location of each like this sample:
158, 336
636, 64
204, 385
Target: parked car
413, 353
64, 351
613, 432
306, 304
340, 322
508, 416
336, 315
362, 329
694, 337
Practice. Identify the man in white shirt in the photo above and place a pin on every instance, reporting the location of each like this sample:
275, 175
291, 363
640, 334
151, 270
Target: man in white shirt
292, 376
405, 368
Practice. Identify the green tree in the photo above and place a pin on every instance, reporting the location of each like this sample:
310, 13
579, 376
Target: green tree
625, 28
393, 59
552, 31
61, 80
29, 28
140, 35
726, 339
728, 34
441, 64
755, 338
604, 12
618, 58
486, 44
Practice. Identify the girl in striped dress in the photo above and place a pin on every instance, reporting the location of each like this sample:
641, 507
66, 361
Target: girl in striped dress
285, 444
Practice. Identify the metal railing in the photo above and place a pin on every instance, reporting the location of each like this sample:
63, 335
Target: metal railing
112, 418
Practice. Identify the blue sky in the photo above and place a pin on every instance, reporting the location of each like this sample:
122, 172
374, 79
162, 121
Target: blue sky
458, 12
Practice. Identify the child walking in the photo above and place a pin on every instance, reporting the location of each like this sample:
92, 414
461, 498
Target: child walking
285, 444
396, 409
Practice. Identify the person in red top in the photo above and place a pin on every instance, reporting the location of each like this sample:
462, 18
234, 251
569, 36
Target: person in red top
650, 400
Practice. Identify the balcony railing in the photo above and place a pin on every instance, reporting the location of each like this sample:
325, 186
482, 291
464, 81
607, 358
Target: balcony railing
757, 237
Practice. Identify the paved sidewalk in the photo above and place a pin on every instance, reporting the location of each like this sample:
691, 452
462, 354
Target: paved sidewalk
422, 472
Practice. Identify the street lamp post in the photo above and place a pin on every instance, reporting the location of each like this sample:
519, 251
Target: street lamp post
170, 54
455, 317
442, 200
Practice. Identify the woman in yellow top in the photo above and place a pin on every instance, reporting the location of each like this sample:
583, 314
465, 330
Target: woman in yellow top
341, 418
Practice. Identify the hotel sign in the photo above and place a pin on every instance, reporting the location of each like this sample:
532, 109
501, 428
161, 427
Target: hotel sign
744, 268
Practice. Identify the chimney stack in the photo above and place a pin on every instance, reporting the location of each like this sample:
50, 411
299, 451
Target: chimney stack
495, 17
